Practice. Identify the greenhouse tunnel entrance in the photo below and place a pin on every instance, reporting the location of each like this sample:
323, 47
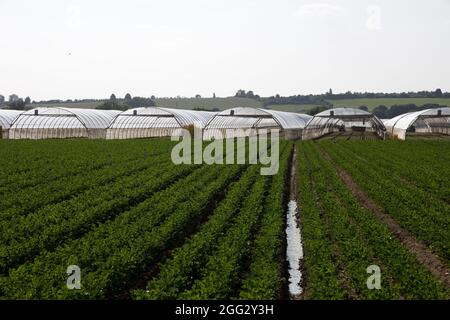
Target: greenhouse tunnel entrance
347, 123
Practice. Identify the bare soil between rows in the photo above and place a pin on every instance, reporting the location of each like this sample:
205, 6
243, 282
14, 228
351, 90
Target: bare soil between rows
427, 258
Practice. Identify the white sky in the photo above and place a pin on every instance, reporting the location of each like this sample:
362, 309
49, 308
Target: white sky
90, 49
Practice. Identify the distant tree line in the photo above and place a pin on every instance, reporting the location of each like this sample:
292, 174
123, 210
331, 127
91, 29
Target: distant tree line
247, 94
298, 99
383, 112
324, 99
15, 102
371, 95
59, 101
126, 103
278, 100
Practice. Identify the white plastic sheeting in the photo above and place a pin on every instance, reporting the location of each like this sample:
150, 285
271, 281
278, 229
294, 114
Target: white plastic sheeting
425, 121
343, 112
340, 119
155, 122
45, 123
319, 127
252, 120
7, 117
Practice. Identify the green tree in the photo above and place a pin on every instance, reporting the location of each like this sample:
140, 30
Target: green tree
139, 102
317, 110
112, 105
13, 98
113, 97
381, 112
364, 108
240, 93
127, 98
18, 104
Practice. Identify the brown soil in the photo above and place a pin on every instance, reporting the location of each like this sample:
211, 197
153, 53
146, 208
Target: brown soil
427, 258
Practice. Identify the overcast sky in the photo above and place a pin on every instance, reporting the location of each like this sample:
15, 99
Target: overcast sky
90, 49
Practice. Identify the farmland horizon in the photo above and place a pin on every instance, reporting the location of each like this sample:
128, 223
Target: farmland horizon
73, 49
196, 95
214, 95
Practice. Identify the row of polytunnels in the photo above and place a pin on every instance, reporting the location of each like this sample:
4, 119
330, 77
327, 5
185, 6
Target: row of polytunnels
49, 123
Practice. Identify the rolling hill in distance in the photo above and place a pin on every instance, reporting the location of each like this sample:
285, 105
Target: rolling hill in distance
232, 102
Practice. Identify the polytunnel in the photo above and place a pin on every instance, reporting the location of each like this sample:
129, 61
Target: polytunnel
48, 123
242, 122
344, 121
7, 117
155, 122
425, 122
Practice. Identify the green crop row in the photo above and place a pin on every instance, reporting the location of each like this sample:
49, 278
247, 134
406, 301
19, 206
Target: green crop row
426, 171
225, 238
320, 266
27, 165
231, 270
221, 274
111, 254
31, 199
53, 225
360, 240
176, 275
264, 280
426, 218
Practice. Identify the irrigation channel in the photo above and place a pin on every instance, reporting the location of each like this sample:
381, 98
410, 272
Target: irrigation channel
294, 252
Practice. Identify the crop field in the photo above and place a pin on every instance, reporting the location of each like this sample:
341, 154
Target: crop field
140, 227
375, 203
137, 225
